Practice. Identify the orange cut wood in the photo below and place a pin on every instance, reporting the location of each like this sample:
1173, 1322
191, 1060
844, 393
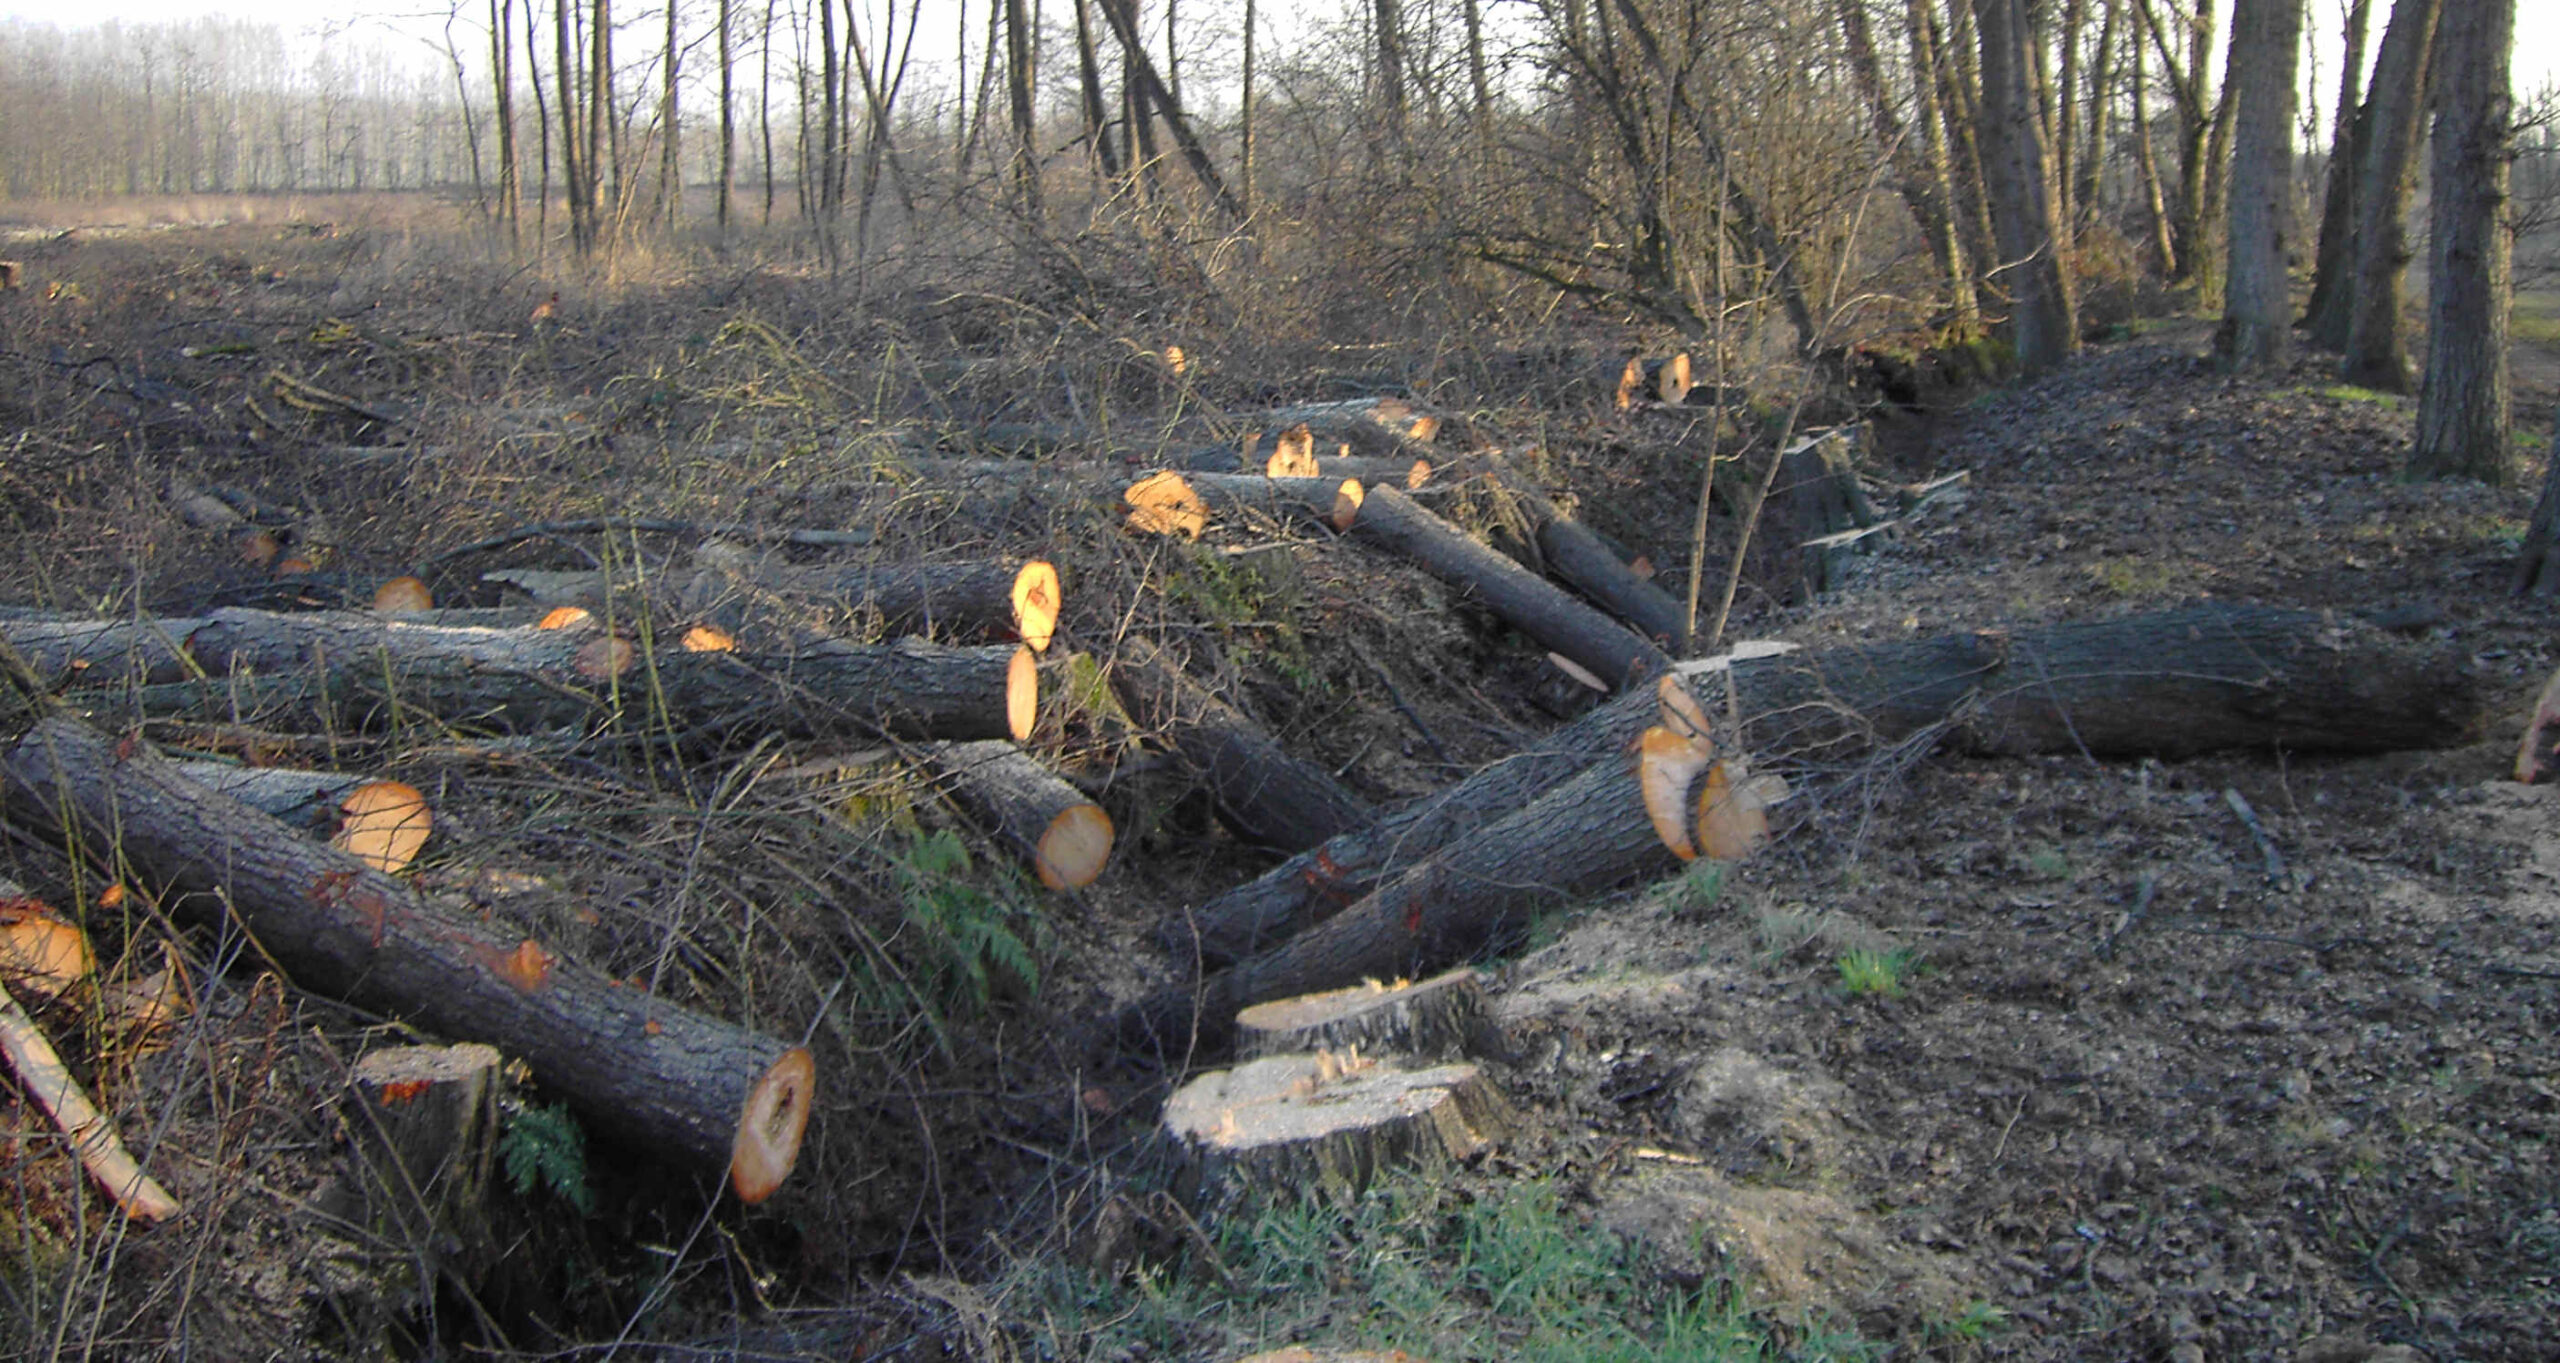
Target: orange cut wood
386, 823
1294, 455
565, 617
1164, 504
403, 595
1037, 601
1681, 712
1667, 765
41, 952
775, 1117
708, 639
1731, 819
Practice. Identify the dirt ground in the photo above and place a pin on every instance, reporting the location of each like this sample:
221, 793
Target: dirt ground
2150, 1088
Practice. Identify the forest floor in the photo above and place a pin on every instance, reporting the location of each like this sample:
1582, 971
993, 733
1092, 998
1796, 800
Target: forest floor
2114, 1084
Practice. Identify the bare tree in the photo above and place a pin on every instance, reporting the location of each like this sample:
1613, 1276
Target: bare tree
728, 124
1918, 175
2325, 316
502, 85
2257, 319
2463, 405
2042, 324
2377, 353
1019, 79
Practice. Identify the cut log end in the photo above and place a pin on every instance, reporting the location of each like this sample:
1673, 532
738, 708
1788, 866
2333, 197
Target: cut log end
1164, 504
771, 1124
1667, 765
565, 617
1288, 1124
1076, 847
1037, 601
403, 596
1681, 713
1021, 694
1346, 503
1437, 1017
386, 823
1294, 455
1732, 817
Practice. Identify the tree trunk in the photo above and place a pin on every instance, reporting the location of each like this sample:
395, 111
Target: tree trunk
986, 599
1019, 90
1583, 836
1143, 75
2538, 563
1523, 600
2042, 321
2257, 321
1313, 885
2377, 353
2463, 407
1288, 1127
1264, 794
1573, 553
1918, 180
647, 1071
1955, 267
2164, 248
361, 670
2324, 318
1065, 837
728, 123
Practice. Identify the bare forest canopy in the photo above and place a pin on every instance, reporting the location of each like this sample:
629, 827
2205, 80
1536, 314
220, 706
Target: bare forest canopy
1837, 164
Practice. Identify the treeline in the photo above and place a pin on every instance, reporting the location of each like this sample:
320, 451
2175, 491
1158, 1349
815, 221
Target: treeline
216, 106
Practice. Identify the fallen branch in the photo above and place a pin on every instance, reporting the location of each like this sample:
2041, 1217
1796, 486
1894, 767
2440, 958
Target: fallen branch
1262, 792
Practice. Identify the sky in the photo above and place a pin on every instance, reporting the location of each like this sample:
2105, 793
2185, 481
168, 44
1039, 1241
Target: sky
2537, 48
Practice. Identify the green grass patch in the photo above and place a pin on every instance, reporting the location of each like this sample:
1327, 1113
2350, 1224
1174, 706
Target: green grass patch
1882, 974
2132, 578
1418, 1264
2348, 392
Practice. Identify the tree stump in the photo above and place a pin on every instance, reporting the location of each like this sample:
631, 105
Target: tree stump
1435, 1019
1286, 1124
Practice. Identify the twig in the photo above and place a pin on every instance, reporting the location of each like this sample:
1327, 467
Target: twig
2266, 846
2143, 890
1397, 698
93, 1137
649, 525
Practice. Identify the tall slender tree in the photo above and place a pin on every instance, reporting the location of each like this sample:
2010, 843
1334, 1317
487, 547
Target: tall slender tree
2042, 321
2377, 351
2257, 319
2325, 316
2463, 406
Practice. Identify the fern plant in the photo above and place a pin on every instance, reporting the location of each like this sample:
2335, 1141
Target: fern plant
544, 1147
973, 939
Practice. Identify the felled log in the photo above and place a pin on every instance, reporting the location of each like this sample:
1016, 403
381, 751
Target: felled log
658, 1075
1370, 426
1261, 792
1522, 599
1066, 837
359, 669
1329, 502
72, 651
1285, 1125
1313, 885
1391, 470
1437, 1018
1006, 599
1583, 836
2164, 684
1582, 559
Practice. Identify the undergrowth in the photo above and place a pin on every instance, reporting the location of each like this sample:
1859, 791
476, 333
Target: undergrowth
1511, 1272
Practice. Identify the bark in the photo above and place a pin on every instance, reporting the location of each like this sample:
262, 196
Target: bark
1825, 505
1572, 552
1930, 111
339, 668
2377, 353
2164, 248
1583, 836
1538, 608
1437, 1019
2257, 320
1263, 793
1019, 92
1371, 427
1065, 837
1332, 500
2463, 406
637, 1067
2324, 318
425, 1120
1313, 885
2538, 562
1288, 1126
2168, 684
981, 599
2042, 324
